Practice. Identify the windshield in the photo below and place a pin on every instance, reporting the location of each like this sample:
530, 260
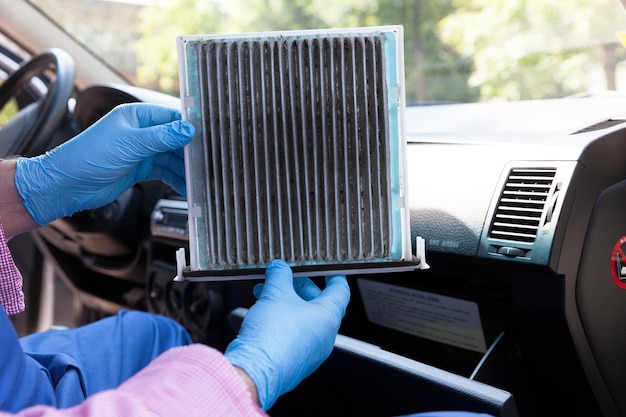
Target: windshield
455, 50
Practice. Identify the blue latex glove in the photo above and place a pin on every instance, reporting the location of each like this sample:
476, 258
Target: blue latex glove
289, 331
132, 143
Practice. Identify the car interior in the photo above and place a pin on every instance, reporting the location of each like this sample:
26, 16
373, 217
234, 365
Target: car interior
521, 205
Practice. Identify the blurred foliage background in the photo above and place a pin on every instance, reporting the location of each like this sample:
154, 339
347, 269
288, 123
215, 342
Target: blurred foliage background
455, 50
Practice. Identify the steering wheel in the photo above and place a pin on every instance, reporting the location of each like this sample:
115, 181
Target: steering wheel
29, 132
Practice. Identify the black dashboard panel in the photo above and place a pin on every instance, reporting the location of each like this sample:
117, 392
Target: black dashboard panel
459, 158
477, 173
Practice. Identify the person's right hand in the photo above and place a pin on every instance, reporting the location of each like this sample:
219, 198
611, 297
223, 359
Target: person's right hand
289, 331
132, 143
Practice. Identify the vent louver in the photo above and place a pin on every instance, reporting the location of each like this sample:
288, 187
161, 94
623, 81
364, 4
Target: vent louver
522, 203
297, 150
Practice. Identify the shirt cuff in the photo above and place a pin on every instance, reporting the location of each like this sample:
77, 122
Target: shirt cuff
11, 294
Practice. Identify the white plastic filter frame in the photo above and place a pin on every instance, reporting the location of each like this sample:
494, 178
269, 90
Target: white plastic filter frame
229, 91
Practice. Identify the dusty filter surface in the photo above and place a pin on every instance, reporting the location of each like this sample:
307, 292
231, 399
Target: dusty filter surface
298, 153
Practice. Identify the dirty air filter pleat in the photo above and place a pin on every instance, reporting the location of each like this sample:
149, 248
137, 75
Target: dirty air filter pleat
294, 153
287, 159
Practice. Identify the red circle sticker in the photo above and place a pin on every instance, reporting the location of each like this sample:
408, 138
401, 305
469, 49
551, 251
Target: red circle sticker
618, 263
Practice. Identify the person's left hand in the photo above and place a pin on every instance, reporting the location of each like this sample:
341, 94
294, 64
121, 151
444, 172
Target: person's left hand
132, 143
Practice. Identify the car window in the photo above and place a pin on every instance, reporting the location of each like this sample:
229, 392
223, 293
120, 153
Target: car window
455, 50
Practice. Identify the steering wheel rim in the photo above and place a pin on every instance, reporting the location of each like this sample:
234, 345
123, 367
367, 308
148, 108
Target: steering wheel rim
33, 137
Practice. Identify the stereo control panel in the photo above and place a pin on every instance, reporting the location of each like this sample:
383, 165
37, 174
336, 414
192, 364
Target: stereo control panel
169, 219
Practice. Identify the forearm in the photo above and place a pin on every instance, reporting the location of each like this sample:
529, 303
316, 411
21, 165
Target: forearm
15, 217
250, 384
192, 381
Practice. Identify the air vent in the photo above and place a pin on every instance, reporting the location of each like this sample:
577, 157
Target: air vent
298, 153
521, 205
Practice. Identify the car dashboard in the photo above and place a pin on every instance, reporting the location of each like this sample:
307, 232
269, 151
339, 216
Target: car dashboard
520, 313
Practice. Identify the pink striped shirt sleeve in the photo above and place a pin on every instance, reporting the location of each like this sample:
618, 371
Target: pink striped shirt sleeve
190, 381
11, 294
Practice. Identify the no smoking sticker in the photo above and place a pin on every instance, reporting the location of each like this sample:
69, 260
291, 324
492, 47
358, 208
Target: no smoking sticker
618, 263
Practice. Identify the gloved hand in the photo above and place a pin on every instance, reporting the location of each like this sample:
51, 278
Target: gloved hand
132, 143
289, 331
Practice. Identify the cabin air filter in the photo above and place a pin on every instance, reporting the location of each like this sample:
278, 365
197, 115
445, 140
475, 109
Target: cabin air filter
298, 154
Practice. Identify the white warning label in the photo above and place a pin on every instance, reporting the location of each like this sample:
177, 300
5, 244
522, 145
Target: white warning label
431, 316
